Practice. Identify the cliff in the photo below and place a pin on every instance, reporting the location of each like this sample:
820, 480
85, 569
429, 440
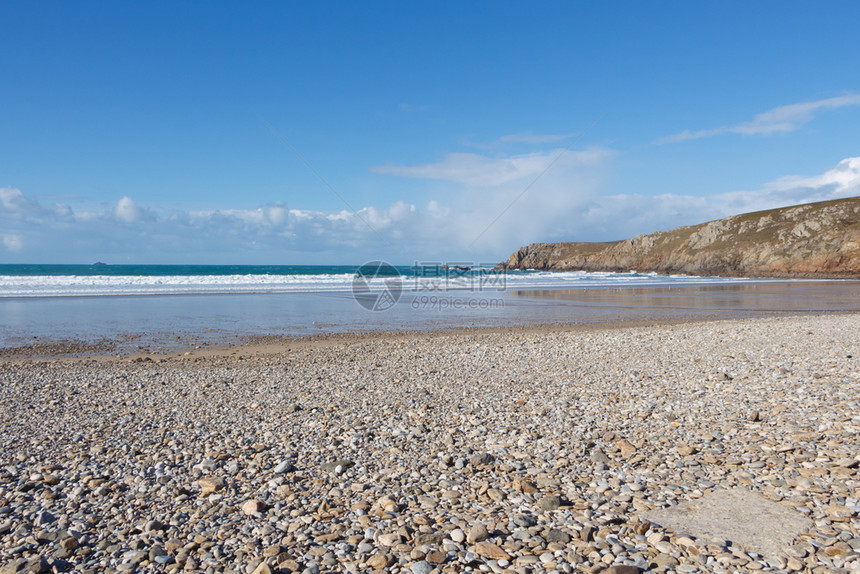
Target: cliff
812, 240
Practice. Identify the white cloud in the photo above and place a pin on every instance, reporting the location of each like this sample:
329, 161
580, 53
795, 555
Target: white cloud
13, 242
11, 199
126, 210
565, 205
622, 216
841, 181
15, 204
574, 209
484, 171
276, 214
63, 211
778, 120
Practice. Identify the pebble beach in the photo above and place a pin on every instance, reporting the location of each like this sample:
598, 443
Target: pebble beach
538, 450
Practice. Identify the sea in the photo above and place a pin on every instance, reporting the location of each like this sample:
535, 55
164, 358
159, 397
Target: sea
163, 307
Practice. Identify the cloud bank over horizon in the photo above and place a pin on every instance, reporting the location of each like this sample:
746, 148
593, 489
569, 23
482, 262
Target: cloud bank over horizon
566, 204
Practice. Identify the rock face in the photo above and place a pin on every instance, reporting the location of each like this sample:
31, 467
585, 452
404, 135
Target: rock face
747, 519
812, 240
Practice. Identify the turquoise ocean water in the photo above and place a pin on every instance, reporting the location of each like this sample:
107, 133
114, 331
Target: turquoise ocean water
19, 281
165, 306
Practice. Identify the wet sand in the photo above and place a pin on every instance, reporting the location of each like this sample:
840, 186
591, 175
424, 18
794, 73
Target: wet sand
767, 297
165, 325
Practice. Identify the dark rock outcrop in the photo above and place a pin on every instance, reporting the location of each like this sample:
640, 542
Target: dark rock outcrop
812, 240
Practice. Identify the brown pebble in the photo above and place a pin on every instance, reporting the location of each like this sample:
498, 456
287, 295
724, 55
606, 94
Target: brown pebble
491, 551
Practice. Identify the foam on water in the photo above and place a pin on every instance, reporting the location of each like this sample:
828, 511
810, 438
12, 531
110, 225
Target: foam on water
104, 285
135, 285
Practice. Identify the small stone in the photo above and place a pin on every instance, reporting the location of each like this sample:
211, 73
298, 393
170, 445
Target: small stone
153, 525
621, 569
430, 539
252, 507
496, 494
138, 557
548, 503
482, 459
491, 551
626, 447
478, 533
36, 565
599, 457
686, 450
422, 567
837, 511
262, 568
546, 557
458, 536
559, 536
156, 551
14, 566
69, 543
380, 560
210, 484
44, 518
524, 485
587, 533
525, 520
665, 561
332, 466
391, 539
284, 466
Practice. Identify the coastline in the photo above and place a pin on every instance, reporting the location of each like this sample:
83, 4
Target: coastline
259, 346
269, 346
511, 450
168, 326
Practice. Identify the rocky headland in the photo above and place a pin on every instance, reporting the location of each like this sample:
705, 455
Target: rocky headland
812, 240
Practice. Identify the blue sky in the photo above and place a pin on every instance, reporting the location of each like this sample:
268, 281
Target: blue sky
280, 133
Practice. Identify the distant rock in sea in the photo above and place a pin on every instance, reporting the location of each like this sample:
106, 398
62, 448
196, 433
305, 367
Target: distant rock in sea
98, 264
812, 240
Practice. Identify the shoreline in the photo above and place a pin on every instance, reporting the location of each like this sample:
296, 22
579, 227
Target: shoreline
168, 324
269, 345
